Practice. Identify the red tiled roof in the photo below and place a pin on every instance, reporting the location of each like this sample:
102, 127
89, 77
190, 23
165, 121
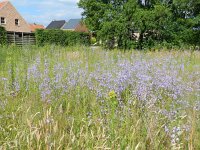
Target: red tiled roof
2, 4
33, 27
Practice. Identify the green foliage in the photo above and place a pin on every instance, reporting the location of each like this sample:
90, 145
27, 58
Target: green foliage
93, 40
3, 39
60, 37
76, 118
116, 22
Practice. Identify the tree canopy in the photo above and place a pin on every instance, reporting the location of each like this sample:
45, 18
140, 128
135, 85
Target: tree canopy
117, 22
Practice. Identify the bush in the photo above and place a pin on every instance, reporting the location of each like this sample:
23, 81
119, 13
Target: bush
60, 37
93, 40
3, 40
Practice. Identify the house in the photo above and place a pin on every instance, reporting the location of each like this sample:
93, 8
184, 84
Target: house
35, 26
75, 25
56, 24
11, 19
18, 30
72, 25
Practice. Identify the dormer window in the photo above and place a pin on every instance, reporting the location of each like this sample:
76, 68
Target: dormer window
17, 22
3, 20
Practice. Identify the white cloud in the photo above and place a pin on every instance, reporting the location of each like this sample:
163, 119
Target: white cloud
44, 11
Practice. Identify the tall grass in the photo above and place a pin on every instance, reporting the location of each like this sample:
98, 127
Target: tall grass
83, 98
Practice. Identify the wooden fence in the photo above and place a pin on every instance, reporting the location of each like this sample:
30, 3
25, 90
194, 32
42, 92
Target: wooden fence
20, 39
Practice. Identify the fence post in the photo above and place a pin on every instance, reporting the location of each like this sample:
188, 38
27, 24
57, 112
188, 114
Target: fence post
14, 38
22, 38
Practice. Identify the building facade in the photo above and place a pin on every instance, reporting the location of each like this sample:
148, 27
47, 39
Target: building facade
18, 30
11, 20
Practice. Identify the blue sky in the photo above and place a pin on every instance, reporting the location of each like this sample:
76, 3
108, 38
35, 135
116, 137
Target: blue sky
44, 11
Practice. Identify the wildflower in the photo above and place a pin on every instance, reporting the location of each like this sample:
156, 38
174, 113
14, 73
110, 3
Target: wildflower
112, 94
49, 120
4, 79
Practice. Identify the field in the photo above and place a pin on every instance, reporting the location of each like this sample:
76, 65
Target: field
82, 98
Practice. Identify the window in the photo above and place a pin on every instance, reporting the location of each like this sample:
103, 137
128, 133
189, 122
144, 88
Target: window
17, 22
3, 20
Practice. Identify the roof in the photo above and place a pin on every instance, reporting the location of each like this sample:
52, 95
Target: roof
56, 24
34, 26
3, 4
71, 24
9, 12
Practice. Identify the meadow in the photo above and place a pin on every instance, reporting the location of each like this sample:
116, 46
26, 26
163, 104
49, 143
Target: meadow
56, 98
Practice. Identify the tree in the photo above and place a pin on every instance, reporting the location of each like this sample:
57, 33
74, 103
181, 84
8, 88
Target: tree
94, 12
187, 16
156, 21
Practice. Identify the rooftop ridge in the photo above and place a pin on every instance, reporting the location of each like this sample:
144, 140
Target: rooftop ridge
3, 3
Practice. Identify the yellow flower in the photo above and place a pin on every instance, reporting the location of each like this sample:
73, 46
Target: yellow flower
112, 94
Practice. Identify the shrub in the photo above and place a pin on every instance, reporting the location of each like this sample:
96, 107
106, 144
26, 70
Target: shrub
60, 37
2, 36
93, 40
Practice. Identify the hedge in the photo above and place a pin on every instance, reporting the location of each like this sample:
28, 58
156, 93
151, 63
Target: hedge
61, 37
3, 39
